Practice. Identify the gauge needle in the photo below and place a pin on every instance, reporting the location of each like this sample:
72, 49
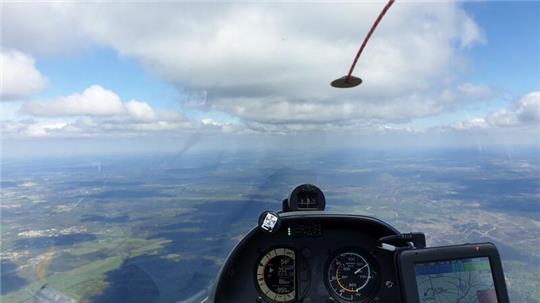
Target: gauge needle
360, 269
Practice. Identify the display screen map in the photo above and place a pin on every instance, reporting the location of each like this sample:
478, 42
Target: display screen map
463, 281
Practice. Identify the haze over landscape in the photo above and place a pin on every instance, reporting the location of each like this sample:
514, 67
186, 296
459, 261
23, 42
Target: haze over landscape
140, 141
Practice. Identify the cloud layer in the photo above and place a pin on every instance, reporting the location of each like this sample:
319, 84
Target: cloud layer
267, 66
271, 64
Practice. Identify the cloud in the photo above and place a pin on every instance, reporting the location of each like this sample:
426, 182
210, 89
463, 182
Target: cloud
140, 110
101, 112
19, 76
271, 63
96, 101
528, 108
523, 113
93, 101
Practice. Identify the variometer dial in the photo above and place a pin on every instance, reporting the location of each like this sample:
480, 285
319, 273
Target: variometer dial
276, 275
351, 278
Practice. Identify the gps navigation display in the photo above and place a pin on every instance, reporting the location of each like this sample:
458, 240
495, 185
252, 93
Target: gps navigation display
462, 280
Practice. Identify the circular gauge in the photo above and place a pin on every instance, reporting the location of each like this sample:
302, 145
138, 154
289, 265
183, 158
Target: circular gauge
276, 274
351, 278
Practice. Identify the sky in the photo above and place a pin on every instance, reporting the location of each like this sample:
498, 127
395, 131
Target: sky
137, 76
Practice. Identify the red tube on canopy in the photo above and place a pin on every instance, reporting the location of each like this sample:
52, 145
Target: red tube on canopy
349, 80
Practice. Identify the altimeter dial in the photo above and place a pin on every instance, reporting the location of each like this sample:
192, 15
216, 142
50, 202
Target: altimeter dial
276, 275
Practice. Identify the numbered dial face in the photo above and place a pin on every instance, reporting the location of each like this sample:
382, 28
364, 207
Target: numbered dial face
351, 278
276, 275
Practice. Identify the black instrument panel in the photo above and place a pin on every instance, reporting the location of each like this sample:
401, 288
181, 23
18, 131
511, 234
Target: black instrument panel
314, 257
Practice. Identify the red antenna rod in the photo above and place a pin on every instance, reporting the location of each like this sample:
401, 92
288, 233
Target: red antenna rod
346, 81
381, 15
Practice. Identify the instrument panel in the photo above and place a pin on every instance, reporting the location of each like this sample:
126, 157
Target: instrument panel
351, 276
315, 257
304, 255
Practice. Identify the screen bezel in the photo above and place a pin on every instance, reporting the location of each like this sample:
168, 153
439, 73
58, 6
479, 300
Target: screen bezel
408, 259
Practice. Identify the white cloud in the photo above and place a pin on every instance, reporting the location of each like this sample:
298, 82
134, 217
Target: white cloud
140, 110
271, 63
523, 113
528, 108
19, 76
99, 112
96, 101
93, 101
